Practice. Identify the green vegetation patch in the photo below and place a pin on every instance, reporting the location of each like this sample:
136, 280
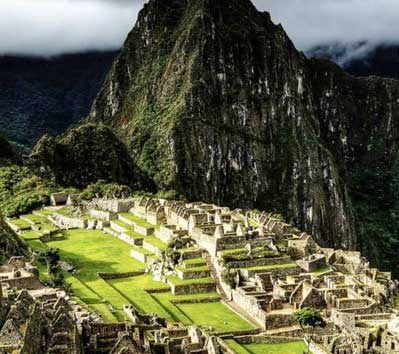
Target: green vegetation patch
156, 242
216, 315
260, 348
31, 235
274, 266
22, 224
137, 220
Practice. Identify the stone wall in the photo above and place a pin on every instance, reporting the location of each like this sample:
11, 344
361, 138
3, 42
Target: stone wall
101, 215
274, 321
192, 288
64, 221
115, 205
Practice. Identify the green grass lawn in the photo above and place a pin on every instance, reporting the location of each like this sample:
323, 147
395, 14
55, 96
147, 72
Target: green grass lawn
138, 220
216, 315
280, 348
37, 245
92, 252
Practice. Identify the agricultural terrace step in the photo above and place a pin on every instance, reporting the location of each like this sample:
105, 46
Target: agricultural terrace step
140, 225
193, 262
190, 253
193, 273
257, 242
276, 270
142, 255
191, 286
19, 224
154, 245
34, 219
120, 226
258, 262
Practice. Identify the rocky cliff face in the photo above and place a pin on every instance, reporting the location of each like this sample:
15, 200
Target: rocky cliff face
214, 101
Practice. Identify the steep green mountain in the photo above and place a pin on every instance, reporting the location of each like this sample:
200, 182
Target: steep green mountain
10, 243
214, 101
85, 155
46, 95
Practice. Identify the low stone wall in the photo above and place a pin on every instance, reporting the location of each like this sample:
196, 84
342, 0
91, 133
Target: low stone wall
192, 288
29, 283
281, 272
111, 276
69, 222
192, 273
265, 339
117, 227
258, 262
275, 321
343, 304
196, 301
102, 215
143, 230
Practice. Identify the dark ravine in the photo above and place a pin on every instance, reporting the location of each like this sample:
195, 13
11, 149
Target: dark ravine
214, 101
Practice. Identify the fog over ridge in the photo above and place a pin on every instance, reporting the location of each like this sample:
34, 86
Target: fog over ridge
51, 27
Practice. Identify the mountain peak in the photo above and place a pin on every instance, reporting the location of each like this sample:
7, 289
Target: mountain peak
214, 101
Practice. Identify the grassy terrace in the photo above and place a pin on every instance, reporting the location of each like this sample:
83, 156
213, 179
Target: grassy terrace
137, 220
274, 266
92, 251
31, 235
134, 235
122, 224
178, 281
156, 242
20, 223
280, 348
196, 269
195, 261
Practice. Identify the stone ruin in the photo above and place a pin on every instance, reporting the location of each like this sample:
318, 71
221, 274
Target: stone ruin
263, 268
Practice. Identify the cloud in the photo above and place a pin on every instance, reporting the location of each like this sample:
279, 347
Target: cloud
311, 23
50, 27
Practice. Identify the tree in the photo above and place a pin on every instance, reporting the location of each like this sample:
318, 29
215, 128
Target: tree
309, 318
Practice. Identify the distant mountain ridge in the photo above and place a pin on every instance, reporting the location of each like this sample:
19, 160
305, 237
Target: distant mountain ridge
47, 95
358, 60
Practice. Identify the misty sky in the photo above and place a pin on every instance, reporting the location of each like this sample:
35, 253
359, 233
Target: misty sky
50, 27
